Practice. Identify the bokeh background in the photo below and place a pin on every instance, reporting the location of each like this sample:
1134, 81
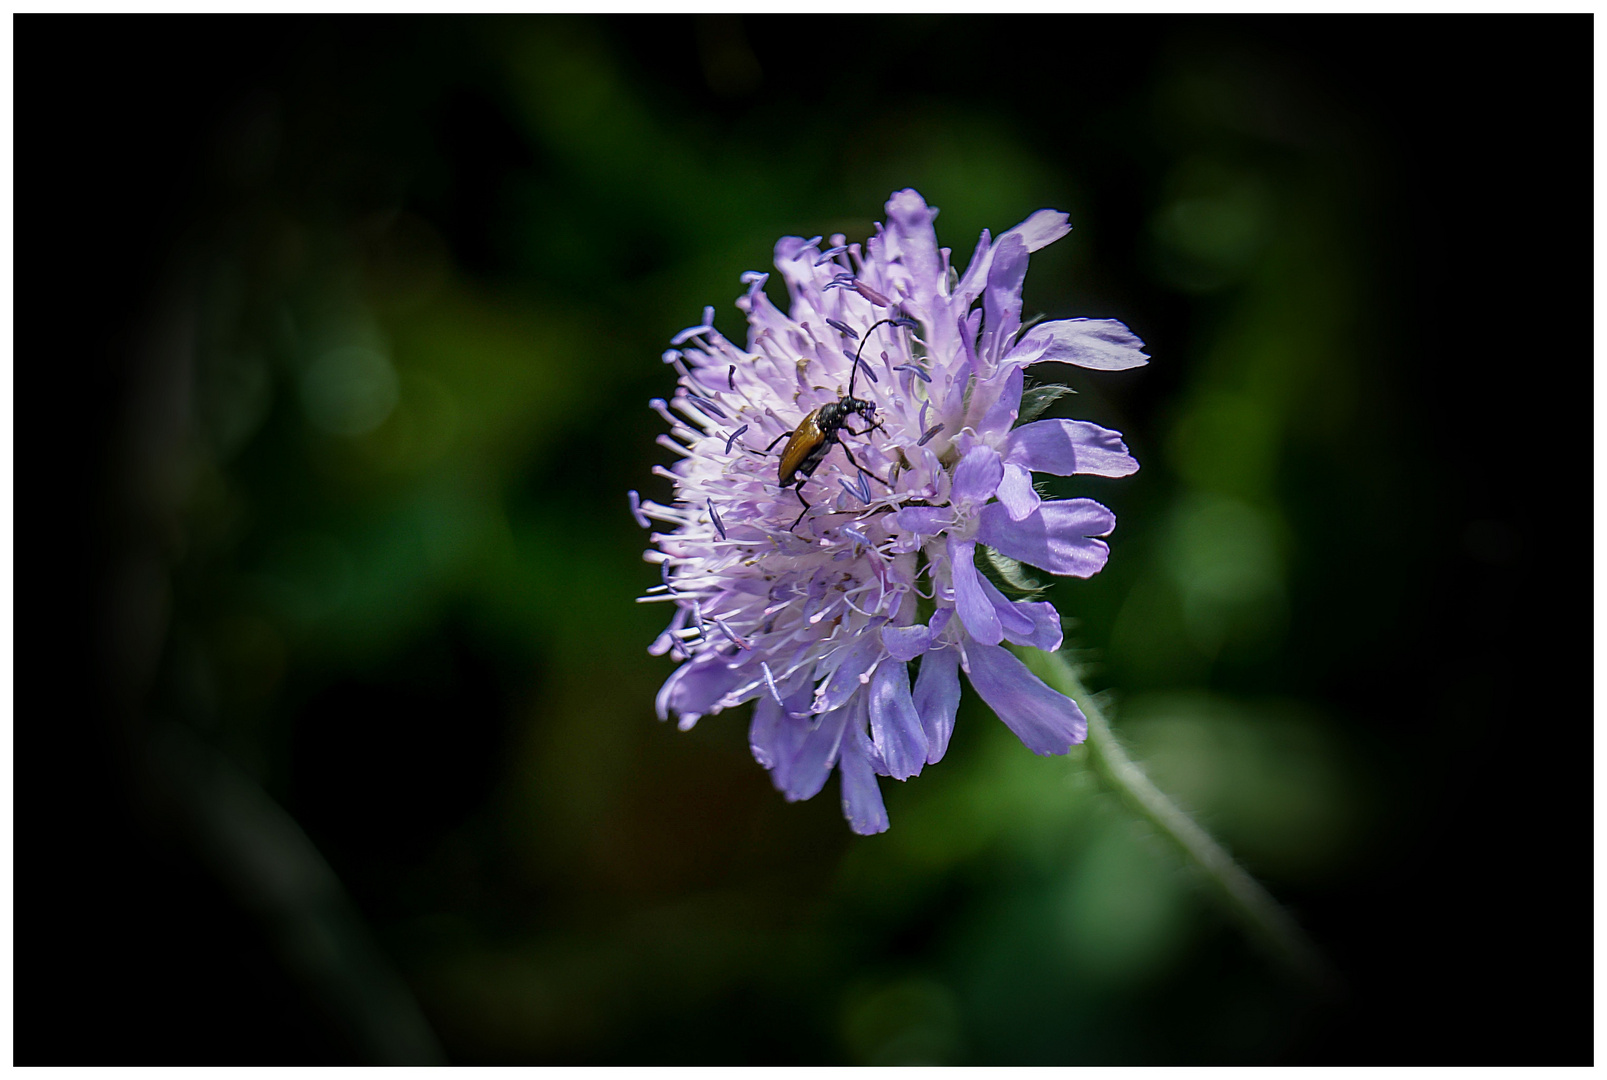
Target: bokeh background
334, 736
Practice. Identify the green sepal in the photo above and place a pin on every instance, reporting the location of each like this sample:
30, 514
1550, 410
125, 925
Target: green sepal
1038, 398
1008, 575
924, 607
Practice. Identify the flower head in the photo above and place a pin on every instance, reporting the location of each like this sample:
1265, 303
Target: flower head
813, 598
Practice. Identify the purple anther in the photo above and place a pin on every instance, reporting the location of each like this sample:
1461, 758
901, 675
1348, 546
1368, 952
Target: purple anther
924, 406
671, 355
636, 510
750, 277
854, 491
930, 432
714, 516
866, 369
915, 371
811, 242
906, 322
731, 378
728, 632
770, 681
864, 487
827, 256
708, 315
843, 328
697, 618
734, 436
689, 333
707, 406
871, 294
857, 535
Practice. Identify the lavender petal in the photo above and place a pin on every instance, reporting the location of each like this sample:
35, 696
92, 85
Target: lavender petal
1012, 620
1070, 447
697, 686
904, 643
1046, 633
1016, 492
976, 610
844, 681
816, 755
862, 796
1041, 229
1058, 538
924, 520
937, 699
909, 222
1045, 720
1005, 390
1001, 300
775, 737
1102, 344
977, 476
895, 726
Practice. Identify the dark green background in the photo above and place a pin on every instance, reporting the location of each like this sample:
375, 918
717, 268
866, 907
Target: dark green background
334, 732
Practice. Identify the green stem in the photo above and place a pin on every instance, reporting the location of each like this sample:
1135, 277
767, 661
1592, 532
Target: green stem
1247, 902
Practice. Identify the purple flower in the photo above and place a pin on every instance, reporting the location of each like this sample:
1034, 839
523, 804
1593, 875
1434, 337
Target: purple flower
818, 622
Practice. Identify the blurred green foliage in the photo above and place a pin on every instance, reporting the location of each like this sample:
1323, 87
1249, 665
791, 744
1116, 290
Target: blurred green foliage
426, 323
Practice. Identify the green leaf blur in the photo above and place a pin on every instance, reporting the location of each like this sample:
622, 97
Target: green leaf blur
426, 316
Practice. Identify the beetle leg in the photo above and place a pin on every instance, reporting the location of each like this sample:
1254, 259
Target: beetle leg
775, 440
798, 487
862, 468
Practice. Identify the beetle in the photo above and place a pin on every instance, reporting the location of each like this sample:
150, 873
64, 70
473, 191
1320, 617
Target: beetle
810, 442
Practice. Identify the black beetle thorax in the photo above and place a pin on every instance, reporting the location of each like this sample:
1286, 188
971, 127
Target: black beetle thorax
833, 414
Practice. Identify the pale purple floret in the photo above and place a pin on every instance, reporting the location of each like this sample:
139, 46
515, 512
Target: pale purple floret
817, 622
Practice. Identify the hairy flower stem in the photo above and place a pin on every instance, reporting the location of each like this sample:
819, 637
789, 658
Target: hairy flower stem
1267, 923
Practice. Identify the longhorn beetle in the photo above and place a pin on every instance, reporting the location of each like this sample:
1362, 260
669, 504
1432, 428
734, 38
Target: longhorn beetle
810, 442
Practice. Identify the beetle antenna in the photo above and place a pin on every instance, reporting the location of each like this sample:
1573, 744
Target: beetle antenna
852, 379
